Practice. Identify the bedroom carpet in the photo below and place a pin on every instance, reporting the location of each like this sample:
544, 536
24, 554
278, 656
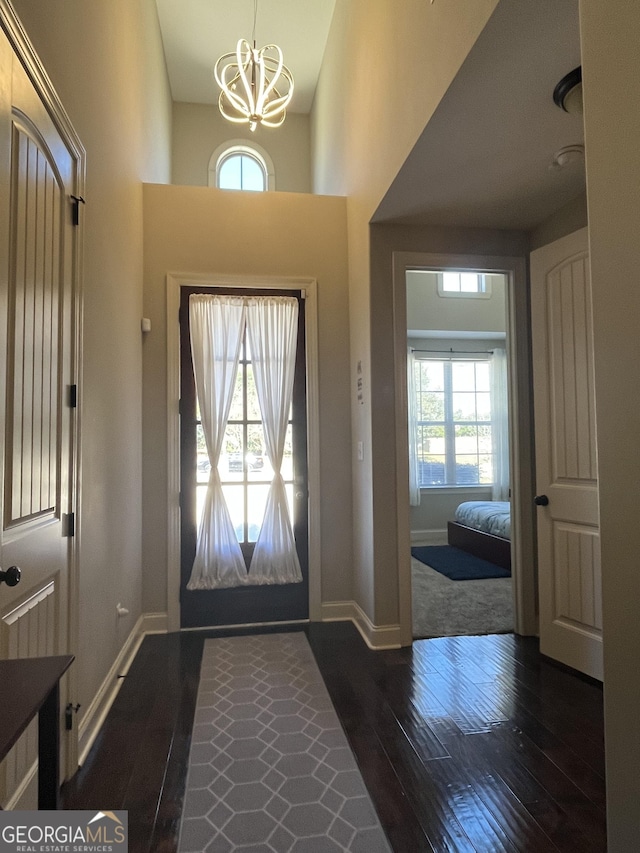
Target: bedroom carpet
446, 608
270, 769
457, 565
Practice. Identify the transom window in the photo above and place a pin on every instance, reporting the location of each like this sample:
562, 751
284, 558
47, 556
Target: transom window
241, 171
469, 284
236, 165
453, 423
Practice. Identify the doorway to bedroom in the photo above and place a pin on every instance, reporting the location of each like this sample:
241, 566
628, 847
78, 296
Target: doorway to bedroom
458, 418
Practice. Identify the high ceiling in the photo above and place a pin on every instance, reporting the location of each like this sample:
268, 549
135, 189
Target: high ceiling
197, 32
485, 159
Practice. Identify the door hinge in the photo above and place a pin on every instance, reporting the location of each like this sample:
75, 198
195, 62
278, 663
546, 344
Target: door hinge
71, 524
69, 711
76, 200
73, 396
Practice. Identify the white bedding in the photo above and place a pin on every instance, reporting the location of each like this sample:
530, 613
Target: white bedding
488, 516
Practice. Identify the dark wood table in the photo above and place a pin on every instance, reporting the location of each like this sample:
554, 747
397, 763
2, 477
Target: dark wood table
31, 686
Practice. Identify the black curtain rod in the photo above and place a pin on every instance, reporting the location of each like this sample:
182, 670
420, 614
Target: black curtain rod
456, 352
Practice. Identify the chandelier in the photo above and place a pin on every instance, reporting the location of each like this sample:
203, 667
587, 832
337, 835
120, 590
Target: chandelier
256, 86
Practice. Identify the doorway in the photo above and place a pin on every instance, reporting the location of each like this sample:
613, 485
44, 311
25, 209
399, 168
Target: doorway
458, 452
246, 471
520, 419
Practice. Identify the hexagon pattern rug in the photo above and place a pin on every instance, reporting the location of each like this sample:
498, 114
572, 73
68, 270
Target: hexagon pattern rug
270, 769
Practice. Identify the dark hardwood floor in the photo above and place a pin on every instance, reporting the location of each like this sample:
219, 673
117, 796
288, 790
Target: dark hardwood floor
465, 743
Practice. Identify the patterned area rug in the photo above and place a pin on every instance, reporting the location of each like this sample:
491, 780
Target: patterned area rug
270, 769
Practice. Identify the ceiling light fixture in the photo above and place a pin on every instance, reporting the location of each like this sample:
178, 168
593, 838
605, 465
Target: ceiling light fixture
568, 93
568, 156
256, 86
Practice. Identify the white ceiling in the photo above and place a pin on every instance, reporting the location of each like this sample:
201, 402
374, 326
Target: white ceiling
197, 32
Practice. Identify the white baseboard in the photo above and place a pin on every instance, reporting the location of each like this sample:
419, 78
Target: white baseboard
428, 536
95, 715
155, 623
377, 637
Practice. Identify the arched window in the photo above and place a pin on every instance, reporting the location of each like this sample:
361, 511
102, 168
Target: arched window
238, 166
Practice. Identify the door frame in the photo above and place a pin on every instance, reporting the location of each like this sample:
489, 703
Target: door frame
521, 459
309, 288
35, 70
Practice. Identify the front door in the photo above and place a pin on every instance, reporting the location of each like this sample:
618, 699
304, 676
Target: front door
245, 474
38, 174
566, 464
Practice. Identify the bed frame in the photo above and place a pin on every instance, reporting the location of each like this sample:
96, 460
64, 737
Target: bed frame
495, 549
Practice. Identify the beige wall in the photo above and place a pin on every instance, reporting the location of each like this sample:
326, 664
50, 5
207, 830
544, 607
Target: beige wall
194, 229
427, 310
105, 59
367, 115
198, 130
612, 140
568, 219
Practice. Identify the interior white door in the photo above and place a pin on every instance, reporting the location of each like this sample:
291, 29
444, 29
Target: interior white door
569, 574
37, 329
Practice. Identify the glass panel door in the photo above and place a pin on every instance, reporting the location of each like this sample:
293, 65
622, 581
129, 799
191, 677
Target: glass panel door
245, 474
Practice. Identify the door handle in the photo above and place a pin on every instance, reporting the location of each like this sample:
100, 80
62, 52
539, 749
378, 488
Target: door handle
541, 500
11, 577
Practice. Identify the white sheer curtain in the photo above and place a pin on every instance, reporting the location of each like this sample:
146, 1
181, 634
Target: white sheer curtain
414, 488
500, 425
272, 327
217, 326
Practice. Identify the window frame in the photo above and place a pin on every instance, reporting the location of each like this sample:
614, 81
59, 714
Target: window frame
485, 293
238, 147
449, 424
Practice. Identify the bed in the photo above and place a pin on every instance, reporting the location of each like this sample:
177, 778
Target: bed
483, 528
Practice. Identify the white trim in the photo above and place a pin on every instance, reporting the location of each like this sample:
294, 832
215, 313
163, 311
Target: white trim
520, 427
462, 294
428, 535
337, 611
25, 795
377, 637
175, 281
154, 623
95, 715
22, 609
242, 146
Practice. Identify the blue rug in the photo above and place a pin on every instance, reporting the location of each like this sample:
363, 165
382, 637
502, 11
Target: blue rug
457, 565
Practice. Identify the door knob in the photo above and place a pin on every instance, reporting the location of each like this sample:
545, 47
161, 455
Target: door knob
11, 577
541, 500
